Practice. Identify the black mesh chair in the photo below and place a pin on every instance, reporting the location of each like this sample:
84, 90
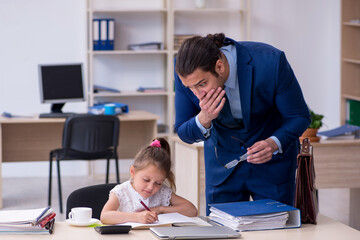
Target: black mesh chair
94, 197
87, 137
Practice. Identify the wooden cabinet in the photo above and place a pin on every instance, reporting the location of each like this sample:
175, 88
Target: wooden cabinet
350, 53
141, 21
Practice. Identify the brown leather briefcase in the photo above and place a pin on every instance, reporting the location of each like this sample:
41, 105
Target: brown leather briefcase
306, 198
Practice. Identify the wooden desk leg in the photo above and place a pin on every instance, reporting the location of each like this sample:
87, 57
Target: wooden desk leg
354, 208
190, 174
186, 173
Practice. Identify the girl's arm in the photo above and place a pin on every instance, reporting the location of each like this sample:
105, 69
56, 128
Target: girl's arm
110, 215
178, 204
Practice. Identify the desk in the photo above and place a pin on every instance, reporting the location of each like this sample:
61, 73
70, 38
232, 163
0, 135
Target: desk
337, 165
32, 139
190, 180
325, 229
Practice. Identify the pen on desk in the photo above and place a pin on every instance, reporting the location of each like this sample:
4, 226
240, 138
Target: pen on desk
146, 207
40, 216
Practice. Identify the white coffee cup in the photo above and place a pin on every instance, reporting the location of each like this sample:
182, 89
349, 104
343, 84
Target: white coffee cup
80, 214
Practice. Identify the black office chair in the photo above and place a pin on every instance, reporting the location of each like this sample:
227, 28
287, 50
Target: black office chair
87, 137
94, 197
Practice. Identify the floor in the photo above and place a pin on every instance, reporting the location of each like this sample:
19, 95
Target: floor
25, 193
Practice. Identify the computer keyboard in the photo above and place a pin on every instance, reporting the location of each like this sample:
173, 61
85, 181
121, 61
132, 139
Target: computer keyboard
57, 115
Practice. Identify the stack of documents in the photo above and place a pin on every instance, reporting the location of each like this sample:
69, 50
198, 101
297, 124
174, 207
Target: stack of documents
262, 214
99, 88
146, 46
151, 89
346, 131
30, 221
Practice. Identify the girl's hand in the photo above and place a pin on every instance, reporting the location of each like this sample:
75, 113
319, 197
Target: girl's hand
147, 217
157, 210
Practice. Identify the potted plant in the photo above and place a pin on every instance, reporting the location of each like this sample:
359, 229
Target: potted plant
311, 131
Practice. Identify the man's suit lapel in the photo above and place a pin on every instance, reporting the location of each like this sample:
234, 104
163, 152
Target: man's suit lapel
245, 83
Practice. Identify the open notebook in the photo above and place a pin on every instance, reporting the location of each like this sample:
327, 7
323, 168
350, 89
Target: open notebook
169, 219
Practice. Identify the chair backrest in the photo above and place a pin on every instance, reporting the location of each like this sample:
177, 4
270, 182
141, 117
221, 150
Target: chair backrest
91, 133
94, 197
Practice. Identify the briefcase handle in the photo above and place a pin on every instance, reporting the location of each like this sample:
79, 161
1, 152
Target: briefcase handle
306, 148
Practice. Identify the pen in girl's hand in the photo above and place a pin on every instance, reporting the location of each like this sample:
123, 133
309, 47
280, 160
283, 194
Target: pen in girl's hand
146, 207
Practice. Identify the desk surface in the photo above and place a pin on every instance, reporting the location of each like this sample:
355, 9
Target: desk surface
325, 229
131, 116
36, 137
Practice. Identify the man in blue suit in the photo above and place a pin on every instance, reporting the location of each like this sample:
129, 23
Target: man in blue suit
240, 97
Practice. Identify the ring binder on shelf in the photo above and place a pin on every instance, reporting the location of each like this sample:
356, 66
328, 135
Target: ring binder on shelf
96, 34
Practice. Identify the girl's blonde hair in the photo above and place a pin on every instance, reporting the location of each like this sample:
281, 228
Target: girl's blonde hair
158, 154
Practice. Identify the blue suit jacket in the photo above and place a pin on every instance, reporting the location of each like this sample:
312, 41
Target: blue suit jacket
272, 105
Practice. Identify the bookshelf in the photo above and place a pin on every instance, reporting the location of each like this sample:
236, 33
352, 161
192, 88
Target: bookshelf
141, 21
350, 54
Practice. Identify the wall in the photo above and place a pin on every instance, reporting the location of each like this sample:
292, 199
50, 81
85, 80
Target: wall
309, 33
53, 31
35, 32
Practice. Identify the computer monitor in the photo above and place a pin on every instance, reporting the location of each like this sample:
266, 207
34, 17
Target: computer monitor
61, 83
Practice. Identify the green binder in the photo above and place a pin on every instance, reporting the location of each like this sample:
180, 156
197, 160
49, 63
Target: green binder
353, 112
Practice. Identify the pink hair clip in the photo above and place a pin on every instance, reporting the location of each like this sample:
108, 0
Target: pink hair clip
156, 143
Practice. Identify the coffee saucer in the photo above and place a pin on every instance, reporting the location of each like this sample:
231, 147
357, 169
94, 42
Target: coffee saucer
91, 222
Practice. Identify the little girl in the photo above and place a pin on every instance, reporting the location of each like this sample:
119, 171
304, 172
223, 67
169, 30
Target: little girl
152, 166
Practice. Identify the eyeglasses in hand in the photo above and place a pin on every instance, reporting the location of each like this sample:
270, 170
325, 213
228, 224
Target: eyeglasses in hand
234, 162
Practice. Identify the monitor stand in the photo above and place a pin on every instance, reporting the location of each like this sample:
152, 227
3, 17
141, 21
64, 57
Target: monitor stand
56, 107
56, 112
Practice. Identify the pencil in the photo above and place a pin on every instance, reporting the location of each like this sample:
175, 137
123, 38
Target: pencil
146, 207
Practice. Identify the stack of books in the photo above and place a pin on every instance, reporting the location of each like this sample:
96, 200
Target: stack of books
179, 39
29, 221
262, 214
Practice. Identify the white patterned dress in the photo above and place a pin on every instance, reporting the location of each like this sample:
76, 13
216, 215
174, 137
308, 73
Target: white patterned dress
129, 198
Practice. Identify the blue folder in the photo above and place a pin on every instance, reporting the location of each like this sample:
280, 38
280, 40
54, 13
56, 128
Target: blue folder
103, 34
99, 109
342, 130
96, 34
110, 36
